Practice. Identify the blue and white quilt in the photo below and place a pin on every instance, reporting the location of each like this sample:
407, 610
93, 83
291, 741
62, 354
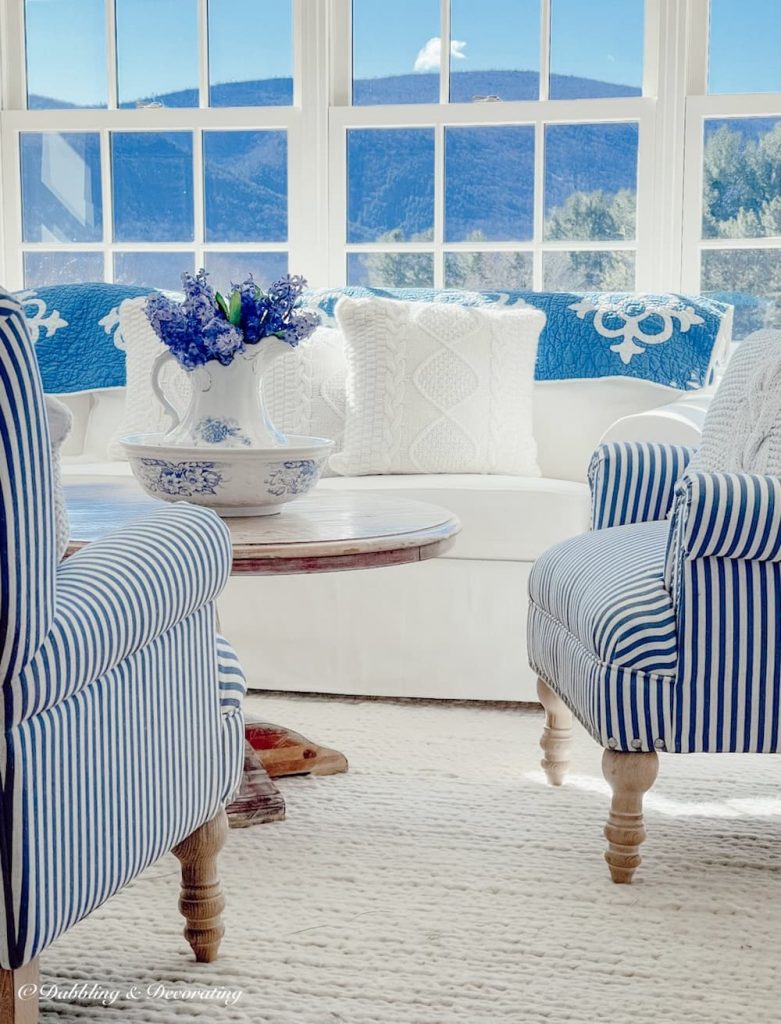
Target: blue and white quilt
72, 327
672, 340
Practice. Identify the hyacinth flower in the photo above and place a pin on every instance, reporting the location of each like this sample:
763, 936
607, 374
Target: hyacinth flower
207, 325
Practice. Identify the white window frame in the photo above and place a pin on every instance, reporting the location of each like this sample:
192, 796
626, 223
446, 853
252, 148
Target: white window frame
642, 110
670, 115
305, 123
700, 107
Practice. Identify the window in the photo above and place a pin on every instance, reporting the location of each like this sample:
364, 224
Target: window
155, 151
532, 148
733, 230
511, 159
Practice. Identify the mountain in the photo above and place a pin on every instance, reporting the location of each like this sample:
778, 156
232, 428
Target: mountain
489, 170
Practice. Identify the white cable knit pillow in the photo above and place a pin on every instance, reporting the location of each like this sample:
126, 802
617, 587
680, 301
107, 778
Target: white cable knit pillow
304, 389
436, 388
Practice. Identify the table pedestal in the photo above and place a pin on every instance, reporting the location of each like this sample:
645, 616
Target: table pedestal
270, 752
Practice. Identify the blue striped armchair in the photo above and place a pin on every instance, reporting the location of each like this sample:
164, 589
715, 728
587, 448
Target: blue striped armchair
660, 630
122, 735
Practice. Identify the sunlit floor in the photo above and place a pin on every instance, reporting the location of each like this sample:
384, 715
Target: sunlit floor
440, 882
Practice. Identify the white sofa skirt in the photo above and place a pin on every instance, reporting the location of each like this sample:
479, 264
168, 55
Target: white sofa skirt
448, 628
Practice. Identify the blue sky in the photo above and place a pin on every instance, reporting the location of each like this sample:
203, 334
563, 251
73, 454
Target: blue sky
158, 42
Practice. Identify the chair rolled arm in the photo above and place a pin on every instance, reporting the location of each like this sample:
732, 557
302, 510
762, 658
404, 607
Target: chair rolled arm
730, 515
634, 481
121, 592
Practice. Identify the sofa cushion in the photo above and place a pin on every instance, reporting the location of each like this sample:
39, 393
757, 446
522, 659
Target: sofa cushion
508, 518
571, 417
437, 388
607, 590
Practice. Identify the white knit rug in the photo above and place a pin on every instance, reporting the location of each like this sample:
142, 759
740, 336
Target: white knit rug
441, 882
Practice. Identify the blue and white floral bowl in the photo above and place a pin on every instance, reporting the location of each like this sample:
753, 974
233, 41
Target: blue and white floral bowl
232, 481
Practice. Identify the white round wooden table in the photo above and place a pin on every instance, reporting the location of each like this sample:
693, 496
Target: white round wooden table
326, 531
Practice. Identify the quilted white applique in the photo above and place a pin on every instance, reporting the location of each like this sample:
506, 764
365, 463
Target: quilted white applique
110, 322
35, 315
631, 332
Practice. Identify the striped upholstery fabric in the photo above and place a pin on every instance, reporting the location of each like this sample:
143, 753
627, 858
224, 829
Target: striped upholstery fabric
615, 603
113, 679
667, 635
27, 530
634, 481
231, 678
728, 595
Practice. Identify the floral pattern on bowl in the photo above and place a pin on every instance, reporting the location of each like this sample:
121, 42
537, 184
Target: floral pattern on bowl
294, 477
178, 479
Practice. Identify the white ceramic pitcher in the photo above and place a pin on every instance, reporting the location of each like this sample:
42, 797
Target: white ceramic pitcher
226, 408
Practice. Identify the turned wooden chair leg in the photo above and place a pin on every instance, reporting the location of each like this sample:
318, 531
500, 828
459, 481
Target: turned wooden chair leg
556, 739
629, 776
19, 994
201, 901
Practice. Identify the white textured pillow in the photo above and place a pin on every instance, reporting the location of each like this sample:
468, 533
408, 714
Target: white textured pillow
60, 421
435, 388
742, 428
304, 389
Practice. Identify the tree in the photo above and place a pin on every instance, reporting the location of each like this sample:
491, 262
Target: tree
597, 216
742, 199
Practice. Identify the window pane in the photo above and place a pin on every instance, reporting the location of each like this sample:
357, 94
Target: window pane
153, 186
252, 67
396, 51
153, 269
590, 181
245, 182
588, 271
749, 279
42, 268
157, 53
489, 184
741, 180
61, 199
599, 54
226, 268
390, 184
494, 50
745, 46
487, 271
55, 30
391, 269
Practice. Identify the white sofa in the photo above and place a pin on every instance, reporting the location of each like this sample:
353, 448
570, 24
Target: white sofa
454, 627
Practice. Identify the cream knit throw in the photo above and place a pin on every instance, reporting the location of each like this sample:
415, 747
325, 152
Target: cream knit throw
742, 429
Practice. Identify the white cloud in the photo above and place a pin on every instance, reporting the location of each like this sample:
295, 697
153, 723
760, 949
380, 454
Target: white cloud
429, 56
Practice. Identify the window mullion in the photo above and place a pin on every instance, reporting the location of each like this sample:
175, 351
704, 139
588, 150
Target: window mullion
112, 72
199, 235
439, 203
341, 52
444, 51
545, 14
203, 53
539, 202
107, 201
12, 55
